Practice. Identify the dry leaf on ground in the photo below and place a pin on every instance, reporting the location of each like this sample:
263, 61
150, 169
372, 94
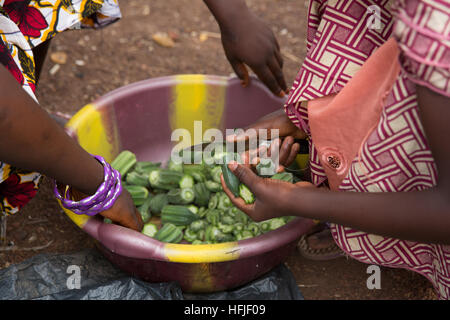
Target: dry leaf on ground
58, 57
163, 39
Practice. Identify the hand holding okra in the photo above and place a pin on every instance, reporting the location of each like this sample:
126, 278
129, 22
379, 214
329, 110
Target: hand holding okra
123, 211
258, 196
270, 194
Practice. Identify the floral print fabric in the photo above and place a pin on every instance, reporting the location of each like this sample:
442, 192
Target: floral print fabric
24, 24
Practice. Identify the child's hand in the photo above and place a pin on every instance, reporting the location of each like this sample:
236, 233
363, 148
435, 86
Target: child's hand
286, 156
272, 197
249, 41
286, 130
276, 120
287, 151
124, 212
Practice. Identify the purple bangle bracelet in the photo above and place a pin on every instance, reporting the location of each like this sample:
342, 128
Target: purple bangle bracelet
100, 193
103, 199
104, 203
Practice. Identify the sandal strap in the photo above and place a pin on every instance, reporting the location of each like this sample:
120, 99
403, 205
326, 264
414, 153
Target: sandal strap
305, 249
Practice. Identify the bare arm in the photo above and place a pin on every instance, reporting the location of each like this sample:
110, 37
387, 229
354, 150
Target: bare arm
421, 215
31, 140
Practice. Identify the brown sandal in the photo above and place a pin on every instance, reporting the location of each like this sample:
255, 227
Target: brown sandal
330, 252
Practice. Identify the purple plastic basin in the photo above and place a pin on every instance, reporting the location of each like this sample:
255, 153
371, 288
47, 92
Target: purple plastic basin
141, 118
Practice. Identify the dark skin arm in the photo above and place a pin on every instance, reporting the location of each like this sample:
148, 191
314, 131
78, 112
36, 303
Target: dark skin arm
417, 216
34, 142
247, 40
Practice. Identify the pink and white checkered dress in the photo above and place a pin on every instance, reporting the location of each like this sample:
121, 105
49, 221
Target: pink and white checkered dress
340, 38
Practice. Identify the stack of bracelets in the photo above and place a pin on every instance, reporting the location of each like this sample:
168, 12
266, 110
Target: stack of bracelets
102, 200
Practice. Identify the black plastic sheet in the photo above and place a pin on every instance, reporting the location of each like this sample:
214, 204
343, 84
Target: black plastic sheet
51, 277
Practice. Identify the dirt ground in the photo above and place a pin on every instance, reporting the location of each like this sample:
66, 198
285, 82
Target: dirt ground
125, 53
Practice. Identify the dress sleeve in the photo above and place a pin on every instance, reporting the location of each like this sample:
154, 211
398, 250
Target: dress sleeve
422, 31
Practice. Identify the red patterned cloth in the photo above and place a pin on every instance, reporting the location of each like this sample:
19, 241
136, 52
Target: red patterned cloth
395, 157
422, 30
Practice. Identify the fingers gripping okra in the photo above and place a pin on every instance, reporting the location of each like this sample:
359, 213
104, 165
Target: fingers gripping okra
231, 180
186, 203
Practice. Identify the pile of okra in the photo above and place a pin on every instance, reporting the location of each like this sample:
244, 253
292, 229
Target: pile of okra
187, 201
